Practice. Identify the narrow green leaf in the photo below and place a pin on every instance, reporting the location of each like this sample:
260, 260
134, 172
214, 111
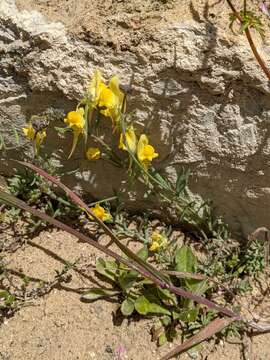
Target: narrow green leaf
98, 293
107, 268
16, 135
143, 253
2, 143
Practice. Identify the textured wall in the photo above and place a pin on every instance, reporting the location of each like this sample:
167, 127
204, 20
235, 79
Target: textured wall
203, 98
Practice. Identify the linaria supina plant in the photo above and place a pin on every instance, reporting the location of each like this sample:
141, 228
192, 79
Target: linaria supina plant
109, 101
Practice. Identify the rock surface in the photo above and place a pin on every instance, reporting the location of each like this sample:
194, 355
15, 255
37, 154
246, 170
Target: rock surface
200, 94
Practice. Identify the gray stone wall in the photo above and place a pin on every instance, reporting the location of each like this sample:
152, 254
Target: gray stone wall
202, 97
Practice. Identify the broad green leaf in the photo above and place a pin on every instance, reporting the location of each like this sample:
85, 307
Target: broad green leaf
166, 320
151, 294
127, 307
198, 287
107, 268
128, 278
185, 260
144, 307
98, 293
190, 315
143, 253
166, 295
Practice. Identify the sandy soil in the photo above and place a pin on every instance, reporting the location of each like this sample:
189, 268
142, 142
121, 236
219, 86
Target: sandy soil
59, 326
126, 24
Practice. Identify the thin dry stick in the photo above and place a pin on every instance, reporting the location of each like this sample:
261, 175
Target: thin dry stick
251, 42
155, 276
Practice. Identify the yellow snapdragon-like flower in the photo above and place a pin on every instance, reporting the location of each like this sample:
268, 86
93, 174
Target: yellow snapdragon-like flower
29, 132
159, 241
40, 137
130, 140
109, 98
96, 86
75, 120
101, 213
37, 137
93, 153
145, 152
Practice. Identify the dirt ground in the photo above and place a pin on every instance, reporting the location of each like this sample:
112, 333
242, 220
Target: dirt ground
58, 326
126, 24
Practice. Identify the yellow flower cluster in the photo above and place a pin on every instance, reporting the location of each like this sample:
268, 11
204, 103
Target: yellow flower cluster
159, 241
108, 98
37, 137
145, 152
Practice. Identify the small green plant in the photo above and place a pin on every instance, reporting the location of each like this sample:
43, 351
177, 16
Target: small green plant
138, 295
248, 20
35, 191
154, 290
172, 289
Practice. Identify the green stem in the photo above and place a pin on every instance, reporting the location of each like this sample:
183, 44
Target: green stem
160, 185
103, 201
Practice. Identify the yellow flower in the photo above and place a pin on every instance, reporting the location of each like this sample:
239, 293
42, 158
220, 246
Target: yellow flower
101, 213
37, 137
40, 137
107, 99
131, 140
155, 246
158, 241
145, 152
29, 132
75, 120
112, 99
96, 87
93, 153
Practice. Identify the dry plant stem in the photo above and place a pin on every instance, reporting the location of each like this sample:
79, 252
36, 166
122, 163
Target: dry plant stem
11, 200
187, 275
78, 201
251, 42
142, 267
138, 264
214, 327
